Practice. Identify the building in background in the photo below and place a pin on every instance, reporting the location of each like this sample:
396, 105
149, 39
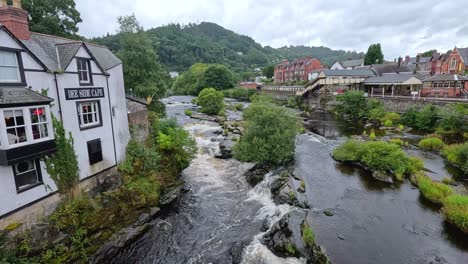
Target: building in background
348, 64
41, 75
296, 70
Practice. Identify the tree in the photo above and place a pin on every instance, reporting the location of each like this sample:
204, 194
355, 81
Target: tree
353, 104
218, 76
58, 18
143, 73
429, 53
268, 71
211, 101
62, 166
269, 134
374, 55
189, 81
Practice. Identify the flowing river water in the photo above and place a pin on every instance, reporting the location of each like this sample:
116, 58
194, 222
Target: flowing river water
372, 222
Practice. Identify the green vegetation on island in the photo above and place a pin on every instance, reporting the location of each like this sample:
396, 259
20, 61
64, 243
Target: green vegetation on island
211, 101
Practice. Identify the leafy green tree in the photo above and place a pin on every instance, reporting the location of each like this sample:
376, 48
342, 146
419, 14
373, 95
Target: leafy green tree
62, 166
189, 82
218, 76
428, 53
269, 135
143, 73
374, 55
353, 104
59, 18
211, 101
268, 71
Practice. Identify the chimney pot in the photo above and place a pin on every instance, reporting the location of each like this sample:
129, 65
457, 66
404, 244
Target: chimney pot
17, 4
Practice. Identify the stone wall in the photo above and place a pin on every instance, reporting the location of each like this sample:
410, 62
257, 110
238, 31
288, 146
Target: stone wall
399, 105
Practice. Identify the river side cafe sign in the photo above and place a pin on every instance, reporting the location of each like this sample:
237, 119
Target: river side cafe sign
83, 93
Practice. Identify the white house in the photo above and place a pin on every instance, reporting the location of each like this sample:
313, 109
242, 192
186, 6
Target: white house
40, 76
347, 64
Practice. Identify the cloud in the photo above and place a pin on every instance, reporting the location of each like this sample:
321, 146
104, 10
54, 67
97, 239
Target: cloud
401, 26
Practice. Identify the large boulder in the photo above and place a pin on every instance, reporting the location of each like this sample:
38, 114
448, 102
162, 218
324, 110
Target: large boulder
225, 148
285, 239
256, 174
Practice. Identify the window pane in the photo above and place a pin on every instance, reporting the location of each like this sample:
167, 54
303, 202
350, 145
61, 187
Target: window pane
7, 58
9, 73
36, 132
19, 117
25, 174
44, 131
9, 120
12, 138
21, 132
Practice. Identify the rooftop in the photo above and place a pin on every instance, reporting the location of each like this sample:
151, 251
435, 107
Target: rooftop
354, 72
392, 79
22, 96
446, 77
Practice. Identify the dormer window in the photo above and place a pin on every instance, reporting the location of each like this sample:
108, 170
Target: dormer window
9, 68
84, 71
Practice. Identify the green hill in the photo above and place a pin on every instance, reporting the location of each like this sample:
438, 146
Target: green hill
179, 47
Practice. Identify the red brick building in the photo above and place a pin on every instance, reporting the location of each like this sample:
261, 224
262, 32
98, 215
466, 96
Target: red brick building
445, 85
296, 70
452, 62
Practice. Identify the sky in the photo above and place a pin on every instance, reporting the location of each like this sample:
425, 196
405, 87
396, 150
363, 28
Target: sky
403, 27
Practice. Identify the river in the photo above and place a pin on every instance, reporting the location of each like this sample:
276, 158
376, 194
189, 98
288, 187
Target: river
373, 222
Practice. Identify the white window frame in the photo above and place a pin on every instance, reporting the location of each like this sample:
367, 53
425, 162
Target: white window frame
18, 72
86, 63
40, 123
36, 169
95, 114
27, 121
453, 64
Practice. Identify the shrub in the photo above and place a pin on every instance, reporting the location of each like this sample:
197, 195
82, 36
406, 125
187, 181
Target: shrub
308, 236
140, 159
431, 144
72, 214
269, 135
239, 107
188, 112
62, 166
457, 154
432, 190
376, 114
211, 101
455, 211
296, 102
424, 120
394, 117
377, 156
388, 123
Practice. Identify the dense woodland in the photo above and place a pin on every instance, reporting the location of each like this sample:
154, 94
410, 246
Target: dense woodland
179, 47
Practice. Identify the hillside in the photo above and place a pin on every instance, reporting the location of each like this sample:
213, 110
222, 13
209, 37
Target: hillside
179, 47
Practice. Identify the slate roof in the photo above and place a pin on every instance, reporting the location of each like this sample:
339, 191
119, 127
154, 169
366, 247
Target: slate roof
347, 73
389, 78
352, 63
464, 54
47, 48
412, 60
21, 96
446, 77
380, 69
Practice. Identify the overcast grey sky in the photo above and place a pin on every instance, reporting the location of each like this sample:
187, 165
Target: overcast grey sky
401, 26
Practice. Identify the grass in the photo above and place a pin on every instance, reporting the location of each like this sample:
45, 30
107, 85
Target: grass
308, 236
457, 154
290, 249
434, 191
455, 211
431, 144
398, 141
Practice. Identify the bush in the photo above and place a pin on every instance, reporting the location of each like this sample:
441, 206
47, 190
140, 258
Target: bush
377, 156
239, 107
269, 135
140, 159
239, 93
388, 123
455, 211
375, 115
434, 191
308, 236
457, 154
431, 144
211, 101
424, 120
72, 214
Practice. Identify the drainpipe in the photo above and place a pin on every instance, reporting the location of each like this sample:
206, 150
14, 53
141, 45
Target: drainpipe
111, 118
58, 96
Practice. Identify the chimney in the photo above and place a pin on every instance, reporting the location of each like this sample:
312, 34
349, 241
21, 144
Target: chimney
418, 58
400, 60
15, 18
